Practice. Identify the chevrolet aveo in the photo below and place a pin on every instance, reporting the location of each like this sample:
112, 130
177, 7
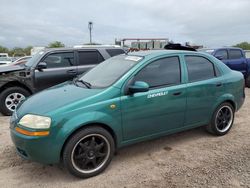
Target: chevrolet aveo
124, 100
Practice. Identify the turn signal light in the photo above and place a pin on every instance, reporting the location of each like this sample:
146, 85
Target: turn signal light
30, 133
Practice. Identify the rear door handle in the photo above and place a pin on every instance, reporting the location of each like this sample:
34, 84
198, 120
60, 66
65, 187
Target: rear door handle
72, 72
177, 93
219, 84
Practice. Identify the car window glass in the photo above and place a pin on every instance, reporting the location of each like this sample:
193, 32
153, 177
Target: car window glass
89, 57
235, 54
165, 71
114, 52
57, 60
107, 72
199, 68
222, 53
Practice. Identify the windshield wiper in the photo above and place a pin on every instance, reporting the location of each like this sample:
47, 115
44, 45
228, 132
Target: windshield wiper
87, 84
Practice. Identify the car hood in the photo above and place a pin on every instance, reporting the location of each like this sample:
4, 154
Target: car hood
55, 98
10, 68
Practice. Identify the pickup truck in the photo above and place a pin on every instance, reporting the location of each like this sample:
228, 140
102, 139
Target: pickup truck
234, 58
47, 68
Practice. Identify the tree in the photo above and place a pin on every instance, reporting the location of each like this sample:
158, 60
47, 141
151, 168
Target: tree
27, 50
243, 45
4, 49
17, 51
56, 44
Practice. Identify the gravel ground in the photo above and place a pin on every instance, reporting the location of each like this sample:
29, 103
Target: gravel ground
189, 159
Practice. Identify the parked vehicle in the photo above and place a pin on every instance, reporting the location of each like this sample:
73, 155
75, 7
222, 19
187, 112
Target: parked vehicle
21, 60
4, 55
5, 60
234, 58
45, 69
124, 100
247, 52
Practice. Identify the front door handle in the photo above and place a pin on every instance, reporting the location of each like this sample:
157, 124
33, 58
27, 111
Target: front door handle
72, 72
219, 84
177, 93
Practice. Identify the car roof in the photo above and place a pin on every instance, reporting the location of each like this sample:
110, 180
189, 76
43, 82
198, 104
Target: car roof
236, 48
92, 47
160, 52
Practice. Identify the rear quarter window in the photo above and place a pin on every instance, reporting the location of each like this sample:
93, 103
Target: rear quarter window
114, 52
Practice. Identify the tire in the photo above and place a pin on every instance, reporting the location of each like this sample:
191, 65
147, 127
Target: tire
222, 120
84, 156
10, 98
248, 81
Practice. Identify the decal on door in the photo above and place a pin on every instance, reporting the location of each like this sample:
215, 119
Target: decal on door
157, 94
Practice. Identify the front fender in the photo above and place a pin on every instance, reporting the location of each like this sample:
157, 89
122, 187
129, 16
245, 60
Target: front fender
67, 126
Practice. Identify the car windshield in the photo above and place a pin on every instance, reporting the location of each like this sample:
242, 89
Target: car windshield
34, 59
109, 71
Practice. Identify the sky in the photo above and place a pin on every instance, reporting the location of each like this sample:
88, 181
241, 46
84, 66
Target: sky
212, 23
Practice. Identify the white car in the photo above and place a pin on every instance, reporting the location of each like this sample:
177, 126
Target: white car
4, 55
5, 60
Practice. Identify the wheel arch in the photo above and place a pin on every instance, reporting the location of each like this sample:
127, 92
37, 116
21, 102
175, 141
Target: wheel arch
15, 84
102, 125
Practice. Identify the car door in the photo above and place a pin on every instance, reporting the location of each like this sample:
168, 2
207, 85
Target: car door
162, 108
237, 61
203, 89
87, 59
60, 67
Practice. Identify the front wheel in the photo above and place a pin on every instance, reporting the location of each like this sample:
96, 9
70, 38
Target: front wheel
10, 98
88, 152
222, 119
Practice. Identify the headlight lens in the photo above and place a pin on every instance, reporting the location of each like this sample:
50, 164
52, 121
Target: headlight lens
35, 121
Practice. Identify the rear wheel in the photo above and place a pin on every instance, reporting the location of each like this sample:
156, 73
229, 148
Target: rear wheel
222, 119
88, 152
10, 98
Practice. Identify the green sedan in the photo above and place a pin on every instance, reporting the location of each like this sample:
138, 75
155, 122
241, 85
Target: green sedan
124, 100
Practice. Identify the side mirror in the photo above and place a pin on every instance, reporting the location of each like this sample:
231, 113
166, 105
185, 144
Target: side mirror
220, 57
41, 66
139, 86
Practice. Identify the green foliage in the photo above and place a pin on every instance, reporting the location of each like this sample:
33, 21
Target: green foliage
17, 51
56, 44
4, 49
243, 45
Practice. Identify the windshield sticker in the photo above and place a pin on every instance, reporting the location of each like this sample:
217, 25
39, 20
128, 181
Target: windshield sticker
157, 94
133, 58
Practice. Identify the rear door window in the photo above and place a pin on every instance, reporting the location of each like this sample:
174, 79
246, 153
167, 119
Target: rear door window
89, 57
199, 68
235, 54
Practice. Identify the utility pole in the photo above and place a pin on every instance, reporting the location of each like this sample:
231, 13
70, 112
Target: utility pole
90, 25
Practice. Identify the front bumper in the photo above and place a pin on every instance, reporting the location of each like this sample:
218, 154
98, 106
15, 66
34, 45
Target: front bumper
42, 149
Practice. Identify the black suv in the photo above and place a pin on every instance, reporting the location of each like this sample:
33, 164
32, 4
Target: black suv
47, 68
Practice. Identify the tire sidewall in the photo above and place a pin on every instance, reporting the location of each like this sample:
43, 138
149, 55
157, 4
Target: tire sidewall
248, 81
73, 140
213, 123
3, 109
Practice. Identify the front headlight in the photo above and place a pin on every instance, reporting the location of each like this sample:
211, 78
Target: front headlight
35, 121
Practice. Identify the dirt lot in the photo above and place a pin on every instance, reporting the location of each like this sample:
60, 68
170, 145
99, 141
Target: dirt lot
189, 159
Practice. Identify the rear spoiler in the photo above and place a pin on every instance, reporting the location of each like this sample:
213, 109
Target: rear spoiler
177, 46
